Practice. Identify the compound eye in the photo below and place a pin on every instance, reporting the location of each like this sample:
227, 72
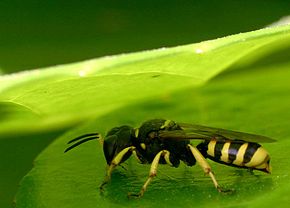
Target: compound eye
143, 146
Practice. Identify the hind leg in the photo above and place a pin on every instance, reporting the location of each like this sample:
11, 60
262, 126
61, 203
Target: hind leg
205, 166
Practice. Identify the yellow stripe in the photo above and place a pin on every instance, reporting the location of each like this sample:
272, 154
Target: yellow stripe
225, 152
167, 123
211, 145
136, 132
261, 156
143, 146
240, 156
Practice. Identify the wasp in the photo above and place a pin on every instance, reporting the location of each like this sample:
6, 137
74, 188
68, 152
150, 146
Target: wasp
160, 141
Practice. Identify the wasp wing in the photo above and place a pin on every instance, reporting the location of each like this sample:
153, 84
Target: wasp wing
194, 131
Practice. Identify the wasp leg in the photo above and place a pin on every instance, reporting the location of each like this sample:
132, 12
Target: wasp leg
153, 172
115, 162
205, 166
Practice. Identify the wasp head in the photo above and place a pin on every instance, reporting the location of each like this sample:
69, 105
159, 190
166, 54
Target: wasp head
116, 140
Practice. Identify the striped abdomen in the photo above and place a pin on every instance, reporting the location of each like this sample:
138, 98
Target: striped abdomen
237, 153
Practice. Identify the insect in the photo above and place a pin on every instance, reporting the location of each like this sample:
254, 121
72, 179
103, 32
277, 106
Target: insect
161, 141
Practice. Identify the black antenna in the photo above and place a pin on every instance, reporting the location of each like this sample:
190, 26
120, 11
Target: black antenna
83, 136
87, 137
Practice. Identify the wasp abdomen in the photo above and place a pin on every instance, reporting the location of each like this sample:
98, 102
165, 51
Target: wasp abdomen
237, 153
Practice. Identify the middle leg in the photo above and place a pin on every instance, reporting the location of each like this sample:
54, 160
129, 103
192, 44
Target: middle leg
153, 172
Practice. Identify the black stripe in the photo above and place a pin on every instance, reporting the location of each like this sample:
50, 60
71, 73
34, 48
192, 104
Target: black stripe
203, 147
218, 149
233, 150
250, 151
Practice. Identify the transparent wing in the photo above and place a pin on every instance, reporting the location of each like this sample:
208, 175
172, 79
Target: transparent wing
193, 131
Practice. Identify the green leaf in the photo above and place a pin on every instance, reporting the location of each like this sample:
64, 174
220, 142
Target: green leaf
251, 97
239, 100
61, 96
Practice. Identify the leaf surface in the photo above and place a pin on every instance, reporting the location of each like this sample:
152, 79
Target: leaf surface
253, 98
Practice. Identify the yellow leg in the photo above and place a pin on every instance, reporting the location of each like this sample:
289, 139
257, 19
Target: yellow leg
115, 162
153, 172
205, 166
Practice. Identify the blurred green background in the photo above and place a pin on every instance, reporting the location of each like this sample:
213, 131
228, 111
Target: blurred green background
35, 34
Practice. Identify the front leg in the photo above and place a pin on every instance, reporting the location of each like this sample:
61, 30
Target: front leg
115, 162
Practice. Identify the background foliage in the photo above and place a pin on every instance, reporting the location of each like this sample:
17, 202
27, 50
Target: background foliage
41, 34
